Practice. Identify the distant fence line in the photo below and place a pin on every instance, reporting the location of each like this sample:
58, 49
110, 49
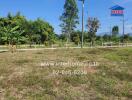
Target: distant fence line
87, 45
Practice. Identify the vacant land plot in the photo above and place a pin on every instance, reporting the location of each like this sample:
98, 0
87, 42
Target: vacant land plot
23, 78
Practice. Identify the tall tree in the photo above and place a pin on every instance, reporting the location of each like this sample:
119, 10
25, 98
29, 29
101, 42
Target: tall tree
93, 25
69, 18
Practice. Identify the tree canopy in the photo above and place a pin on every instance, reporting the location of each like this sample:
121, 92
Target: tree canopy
69, 17
16, 29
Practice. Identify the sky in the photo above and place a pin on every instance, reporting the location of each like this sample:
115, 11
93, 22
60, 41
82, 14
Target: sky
51, 10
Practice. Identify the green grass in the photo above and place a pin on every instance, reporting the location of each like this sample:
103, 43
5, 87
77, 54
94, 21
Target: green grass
22, 77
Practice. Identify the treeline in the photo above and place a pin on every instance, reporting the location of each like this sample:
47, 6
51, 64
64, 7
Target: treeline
114, 37
90, 36
16, 29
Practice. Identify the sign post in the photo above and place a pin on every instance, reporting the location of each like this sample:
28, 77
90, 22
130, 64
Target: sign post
119, 11
123, 20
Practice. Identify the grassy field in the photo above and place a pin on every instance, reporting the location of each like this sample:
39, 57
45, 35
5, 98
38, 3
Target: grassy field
23, 78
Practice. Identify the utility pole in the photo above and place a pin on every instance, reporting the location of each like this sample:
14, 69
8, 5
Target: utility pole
123, 28
110, 33
82, 22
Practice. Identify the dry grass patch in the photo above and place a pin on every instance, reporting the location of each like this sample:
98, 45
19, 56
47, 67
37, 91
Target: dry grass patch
22, 77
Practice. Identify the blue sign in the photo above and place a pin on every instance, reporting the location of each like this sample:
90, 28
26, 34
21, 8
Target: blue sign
117, 11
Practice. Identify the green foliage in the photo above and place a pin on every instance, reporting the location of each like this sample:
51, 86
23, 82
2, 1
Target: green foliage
69, 17
116, 39
93, 24
115, 31
106, 37
76, 38
16, 29
126, 37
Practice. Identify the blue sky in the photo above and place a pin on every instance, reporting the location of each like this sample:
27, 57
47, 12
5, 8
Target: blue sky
50, 10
